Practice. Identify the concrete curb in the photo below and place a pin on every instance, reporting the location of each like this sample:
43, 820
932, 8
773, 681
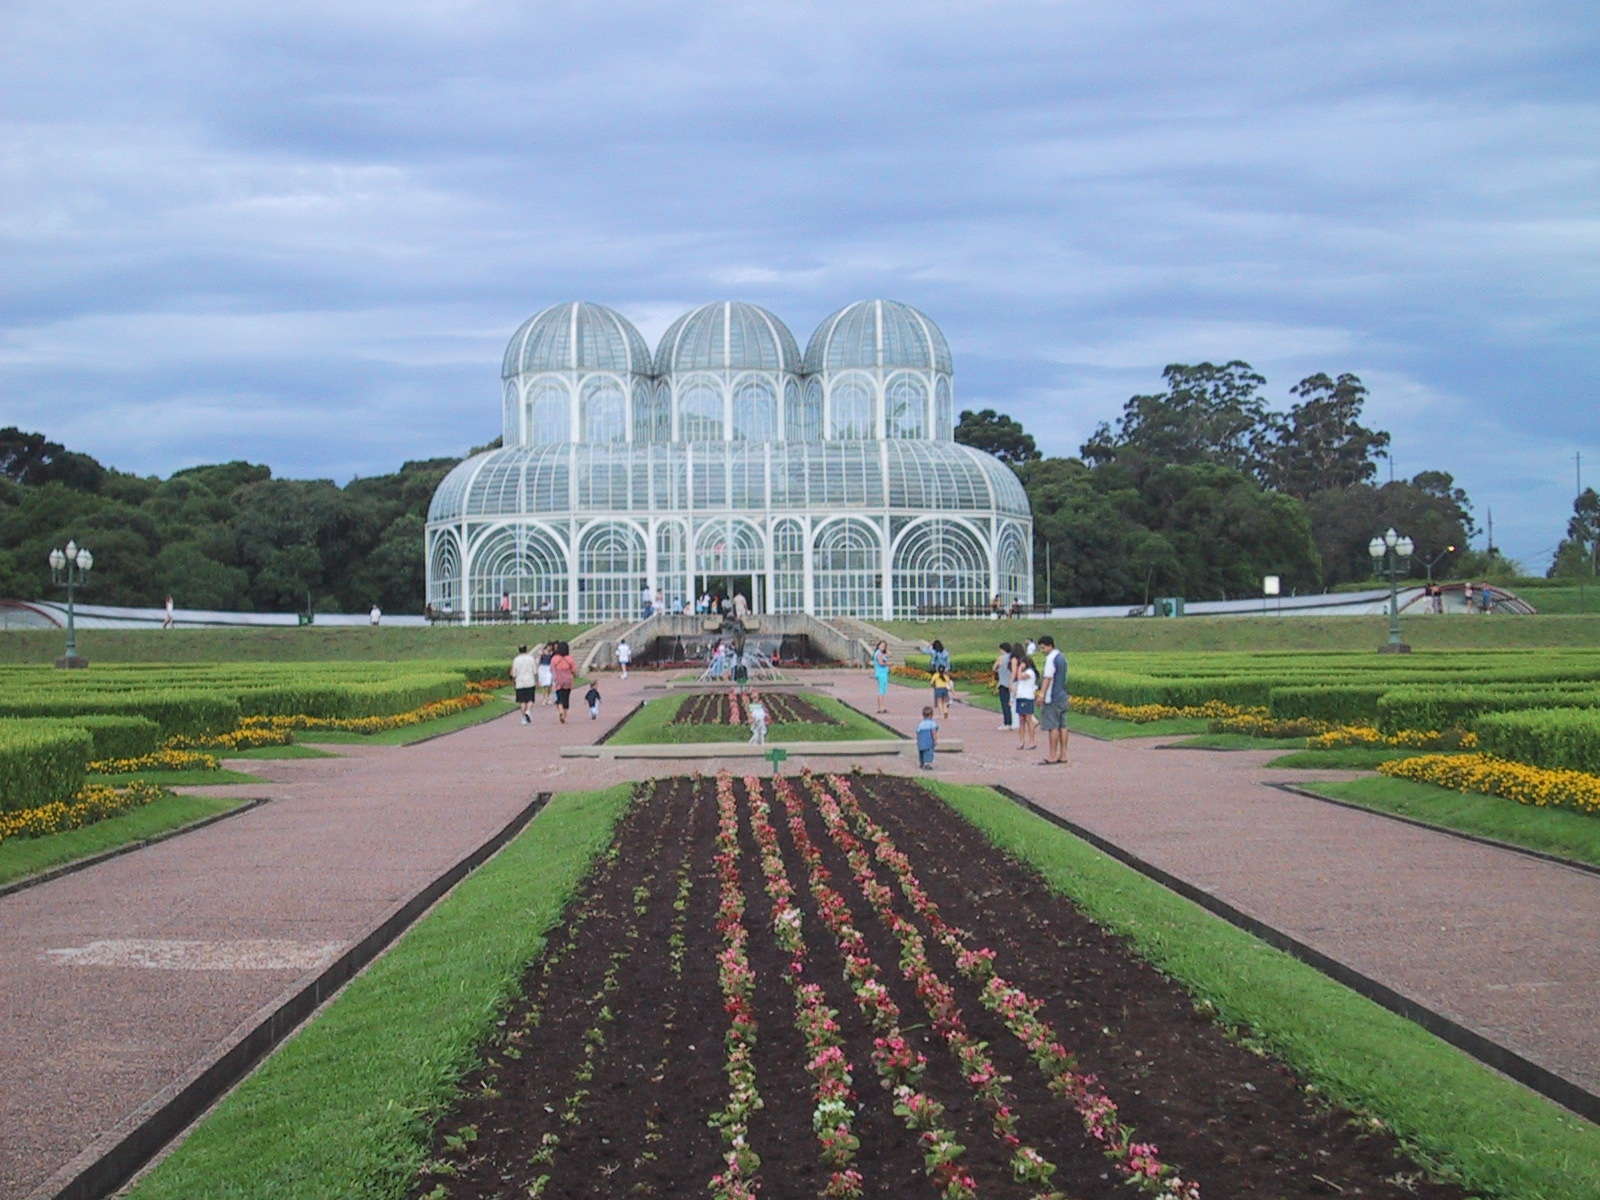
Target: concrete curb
79, 864
689, 751
1503, 1059
114, 1158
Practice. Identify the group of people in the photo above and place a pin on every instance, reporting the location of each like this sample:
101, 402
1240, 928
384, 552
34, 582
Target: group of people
550, 670
1033, 697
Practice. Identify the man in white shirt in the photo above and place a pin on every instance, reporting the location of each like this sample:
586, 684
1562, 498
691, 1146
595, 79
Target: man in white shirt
624, 656
525, 677
1053, 701
375, 615
647, 601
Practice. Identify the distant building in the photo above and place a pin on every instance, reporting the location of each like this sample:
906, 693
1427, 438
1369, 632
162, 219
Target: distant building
729, 463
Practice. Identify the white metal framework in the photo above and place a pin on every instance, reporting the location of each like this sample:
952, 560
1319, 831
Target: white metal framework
827, 482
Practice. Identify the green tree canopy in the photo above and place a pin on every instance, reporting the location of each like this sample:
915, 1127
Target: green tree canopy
997, 434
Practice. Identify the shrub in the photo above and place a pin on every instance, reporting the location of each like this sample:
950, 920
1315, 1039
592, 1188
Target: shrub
1456, 708
173, 711
1338, 704
335, 700
41, 763
1563, 738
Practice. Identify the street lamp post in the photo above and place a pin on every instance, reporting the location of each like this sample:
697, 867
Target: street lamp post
70, 569
1436, 558
1389, 548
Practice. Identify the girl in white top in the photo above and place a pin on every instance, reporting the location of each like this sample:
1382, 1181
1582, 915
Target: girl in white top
1024, 691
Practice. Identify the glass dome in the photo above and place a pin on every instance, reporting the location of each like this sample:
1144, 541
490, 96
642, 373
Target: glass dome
576, 336
727, 335
877, 333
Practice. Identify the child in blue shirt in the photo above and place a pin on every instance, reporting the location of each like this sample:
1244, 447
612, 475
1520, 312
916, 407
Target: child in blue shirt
927, 739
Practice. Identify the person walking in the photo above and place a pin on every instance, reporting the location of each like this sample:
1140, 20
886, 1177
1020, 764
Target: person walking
942, 683
166, 622
505, 606
1002, 683
1053, 702
758, 719
624, 656
563, 669
375, 616
525, 678
880, 672
938, 657
647, 601
545, 678
1024, 688
927, 739
592, 699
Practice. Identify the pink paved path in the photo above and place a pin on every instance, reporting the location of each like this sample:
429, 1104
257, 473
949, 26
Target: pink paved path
258, 903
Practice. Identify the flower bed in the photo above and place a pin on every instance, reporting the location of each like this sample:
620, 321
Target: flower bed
94, 802
732, 708
1540, 787
829, 987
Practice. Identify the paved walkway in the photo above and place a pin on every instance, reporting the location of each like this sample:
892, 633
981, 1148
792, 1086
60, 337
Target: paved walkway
119, 980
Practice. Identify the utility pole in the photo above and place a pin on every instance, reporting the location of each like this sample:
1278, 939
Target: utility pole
1577, 483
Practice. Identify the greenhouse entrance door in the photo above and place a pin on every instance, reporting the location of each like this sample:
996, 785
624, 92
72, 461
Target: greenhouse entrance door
751, 587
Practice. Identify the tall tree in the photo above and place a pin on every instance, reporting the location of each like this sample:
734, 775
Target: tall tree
1320, 445
1207, 414
998, 434
1579, 551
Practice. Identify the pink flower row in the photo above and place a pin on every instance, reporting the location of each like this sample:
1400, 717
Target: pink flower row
1139, 1161
737, 1181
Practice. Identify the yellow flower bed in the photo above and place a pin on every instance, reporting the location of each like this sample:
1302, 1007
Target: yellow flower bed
427, 712
158, 760
92, 803
233, 741
1143, 714
1405, 739
1540, 787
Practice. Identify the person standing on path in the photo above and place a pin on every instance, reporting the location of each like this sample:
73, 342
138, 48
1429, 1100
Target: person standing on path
624, 656
938, 657
758, 719
647, 601
562, 669
525, 678
1053, 702
942, 684
546, 679
880, 671
1024, 687
1002, 683
592, 699
927, 739
375, 616
166, 622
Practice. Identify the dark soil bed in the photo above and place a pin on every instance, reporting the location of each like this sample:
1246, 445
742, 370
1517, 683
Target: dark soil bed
782, 709
601, 1081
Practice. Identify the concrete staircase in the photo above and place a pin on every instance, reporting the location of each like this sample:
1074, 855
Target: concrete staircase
864, 636
592, 648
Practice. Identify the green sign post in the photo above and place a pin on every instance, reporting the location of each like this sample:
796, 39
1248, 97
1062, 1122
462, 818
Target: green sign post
775, 756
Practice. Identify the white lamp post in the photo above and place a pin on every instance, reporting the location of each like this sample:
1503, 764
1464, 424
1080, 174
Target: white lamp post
1391, 547
70, 569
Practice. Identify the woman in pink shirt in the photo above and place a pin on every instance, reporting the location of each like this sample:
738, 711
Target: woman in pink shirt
562, 670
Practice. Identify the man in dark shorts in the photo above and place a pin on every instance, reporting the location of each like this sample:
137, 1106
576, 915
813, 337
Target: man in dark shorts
1053, 701
525, 677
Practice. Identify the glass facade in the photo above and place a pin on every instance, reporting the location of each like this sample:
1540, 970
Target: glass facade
825, 482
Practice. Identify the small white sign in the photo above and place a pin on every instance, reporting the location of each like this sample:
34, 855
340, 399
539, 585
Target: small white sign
1269, 585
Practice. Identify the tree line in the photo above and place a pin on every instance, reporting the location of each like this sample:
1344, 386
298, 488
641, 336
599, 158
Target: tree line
1201, 489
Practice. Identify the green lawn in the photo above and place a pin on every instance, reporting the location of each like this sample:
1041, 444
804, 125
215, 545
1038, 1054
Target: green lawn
1240, 741
292, 750
498, 706
20, 857
1572, 835
1356, 758
1243, 634
343, 1109
354, 643
1495, 1135
652, 726
176, 778
1114, 730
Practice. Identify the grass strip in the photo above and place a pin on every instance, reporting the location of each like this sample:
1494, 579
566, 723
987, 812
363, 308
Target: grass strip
497, 706
1344, 758
292, 750
1453, 1113
175, 778
652, 726
344, 1107
1240, 741
1559, 831
1114, 730
21, 857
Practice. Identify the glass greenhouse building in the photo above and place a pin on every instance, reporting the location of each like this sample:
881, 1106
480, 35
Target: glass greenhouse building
826, 483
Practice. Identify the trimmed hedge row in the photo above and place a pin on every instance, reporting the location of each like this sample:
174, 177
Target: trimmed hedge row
383, 698
1544, 737
1434, 708
172, 711
41, 762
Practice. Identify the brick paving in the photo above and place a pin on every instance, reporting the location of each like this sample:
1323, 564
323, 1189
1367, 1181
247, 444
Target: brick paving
171, 948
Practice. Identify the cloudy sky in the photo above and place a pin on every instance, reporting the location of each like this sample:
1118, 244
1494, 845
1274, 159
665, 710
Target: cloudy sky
300, 233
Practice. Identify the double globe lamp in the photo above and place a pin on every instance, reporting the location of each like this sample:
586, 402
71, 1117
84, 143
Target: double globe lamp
70, 569
1391, 546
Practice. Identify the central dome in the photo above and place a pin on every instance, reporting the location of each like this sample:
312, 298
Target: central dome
576, 336
877, 333
727, 335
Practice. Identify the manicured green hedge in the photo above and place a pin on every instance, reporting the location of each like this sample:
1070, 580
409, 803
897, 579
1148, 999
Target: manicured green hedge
40, 762
119, 736
1342, 703
1545, 737
332, 699
1456, 708
173, 711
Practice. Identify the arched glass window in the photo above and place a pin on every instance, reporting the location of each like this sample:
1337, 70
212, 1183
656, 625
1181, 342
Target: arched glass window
663, 426
944, 421
672, 564
644, 412
610, 571
526, 561
791, 401
548, 412
603, 411
700, 410
444, 572
939, 564
804, 416
847, 569
755, 410
510, 412
906, 407
1012, 560
788, 566
850, 399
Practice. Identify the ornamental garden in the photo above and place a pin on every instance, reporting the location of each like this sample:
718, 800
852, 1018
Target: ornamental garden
844, 983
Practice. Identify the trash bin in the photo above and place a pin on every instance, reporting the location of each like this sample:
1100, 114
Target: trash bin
1169, 606
305, 618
